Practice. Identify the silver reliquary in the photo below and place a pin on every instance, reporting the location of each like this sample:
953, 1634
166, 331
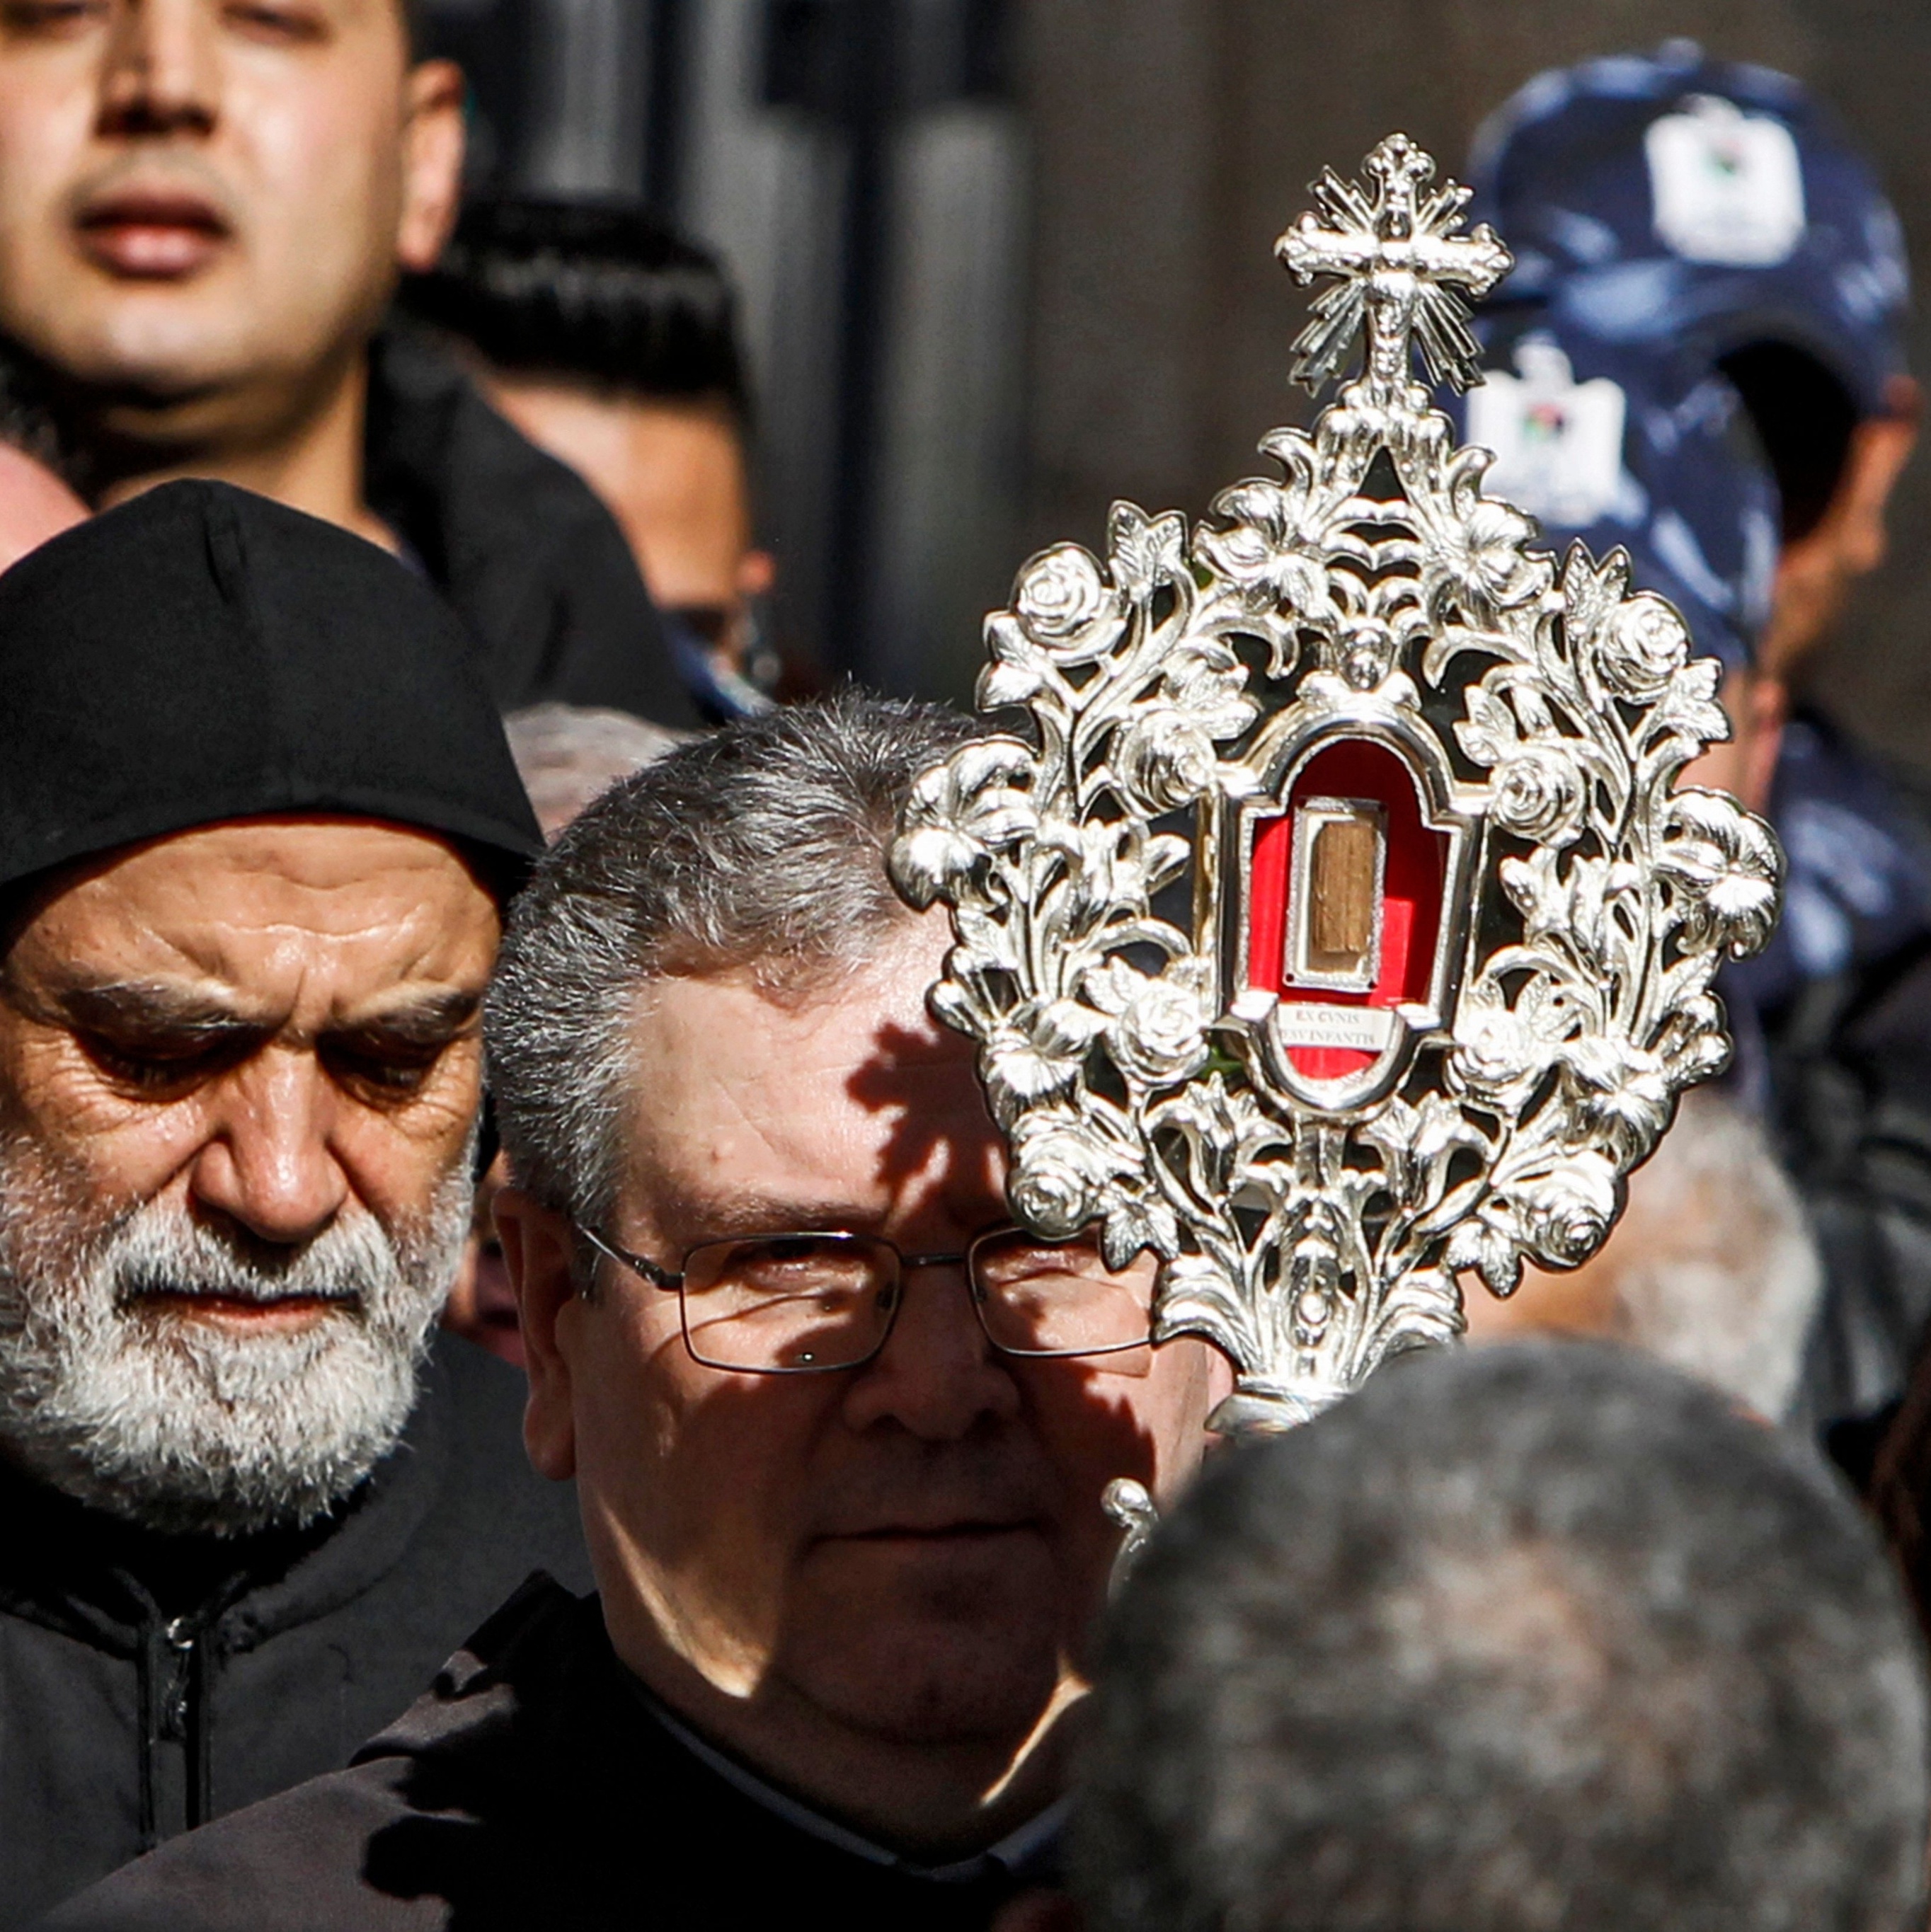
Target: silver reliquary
1452, 925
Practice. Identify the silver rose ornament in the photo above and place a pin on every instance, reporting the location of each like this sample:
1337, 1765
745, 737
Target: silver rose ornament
1443, 966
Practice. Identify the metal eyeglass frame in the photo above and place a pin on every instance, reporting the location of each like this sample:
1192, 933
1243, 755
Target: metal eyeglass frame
656, 1275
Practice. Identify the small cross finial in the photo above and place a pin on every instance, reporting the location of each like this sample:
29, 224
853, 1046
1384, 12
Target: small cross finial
1402, 267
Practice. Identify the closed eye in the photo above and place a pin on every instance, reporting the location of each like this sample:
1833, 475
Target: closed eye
50, 17
266, 20
380, 1070
164, 1066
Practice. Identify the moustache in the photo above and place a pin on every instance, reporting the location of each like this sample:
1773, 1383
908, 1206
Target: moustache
170, 175
151, 1258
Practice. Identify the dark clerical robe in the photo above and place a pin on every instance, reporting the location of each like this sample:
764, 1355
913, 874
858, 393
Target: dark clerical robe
536, 1786
148, 1684
526, 552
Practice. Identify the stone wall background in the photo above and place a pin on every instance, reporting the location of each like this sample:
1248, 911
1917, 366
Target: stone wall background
1172, 140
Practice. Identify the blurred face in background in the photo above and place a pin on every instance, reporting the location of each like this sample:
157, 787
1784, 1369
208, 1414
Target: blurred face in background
675, 477
35, 505
1745, 763
204, 203
1818, 570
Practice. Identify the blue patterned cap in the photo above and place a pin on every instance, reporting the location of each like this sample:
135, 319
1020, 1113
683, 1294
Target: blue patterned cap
1671, 198
1623, 447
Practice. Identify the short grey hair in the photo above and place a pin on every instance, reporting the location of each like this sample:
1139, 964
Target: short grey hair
1541, 1638
1713, 1266
760, 849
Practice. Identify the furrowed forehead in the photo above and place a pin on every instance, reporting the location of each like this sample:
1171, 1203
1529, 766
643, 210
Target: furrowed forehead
247, 911
265, 861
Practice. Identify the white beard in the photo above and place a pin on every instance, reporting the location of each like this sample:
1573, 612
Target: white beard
183, 1425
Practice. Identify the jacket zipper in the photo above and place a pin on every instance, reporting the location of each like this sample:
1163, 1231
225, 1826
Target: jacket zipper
178, 1634
177, 1700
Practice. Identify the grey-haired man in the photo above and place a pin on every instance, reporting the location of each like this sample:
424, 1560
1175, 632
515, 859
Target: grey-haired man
840, 1433
1539, 1636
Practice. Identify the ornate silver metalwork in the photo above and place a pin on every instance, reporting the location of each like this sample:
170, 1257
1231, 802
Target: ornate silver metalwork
1420, 758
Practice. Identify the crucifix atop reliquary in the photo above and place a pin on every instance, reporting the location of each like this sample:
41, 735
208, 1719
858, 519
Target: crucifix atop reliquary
1452, 925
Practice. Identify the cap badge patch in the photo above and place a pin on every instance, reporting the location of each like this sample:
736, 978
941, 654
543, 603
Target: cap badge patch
1558, 442
1727, 187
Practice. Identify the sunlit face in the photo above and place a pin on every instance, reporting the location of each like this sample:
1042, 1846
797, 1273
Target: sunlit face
203, 202
913, 1550
238, 1072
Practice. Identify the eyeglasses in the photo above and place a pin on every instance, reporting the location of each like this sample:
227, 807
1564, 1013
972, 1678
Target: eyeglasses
807, 1303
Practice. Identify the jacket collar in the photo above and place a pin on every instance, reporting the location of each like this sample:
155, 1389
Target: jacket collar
535, 1710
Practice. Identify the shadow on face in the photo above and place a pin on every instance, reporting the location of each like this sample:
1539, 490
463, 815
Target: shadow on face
910, 1550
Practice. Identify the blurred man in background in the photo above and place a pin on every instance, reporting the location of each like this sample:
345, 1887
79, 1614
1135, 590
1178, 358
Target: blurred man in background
203, 211
257, 821
1707, 250
1632, 446
613, 343
1533, 1637
1713, 1267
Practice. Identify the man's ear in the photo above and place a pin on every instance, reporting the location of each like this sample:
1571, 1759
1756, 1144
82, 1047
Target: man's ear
539, 1250
1880, 447
432, 162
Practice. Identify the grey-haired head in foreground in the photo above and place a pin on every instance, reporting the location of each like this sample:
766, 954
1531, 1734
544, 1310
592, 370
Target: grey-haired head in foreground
760, 849
1540, 1637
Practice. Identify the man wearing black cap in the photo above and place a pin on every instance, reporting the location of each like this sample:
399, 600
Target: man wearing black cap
203, 210
257, 819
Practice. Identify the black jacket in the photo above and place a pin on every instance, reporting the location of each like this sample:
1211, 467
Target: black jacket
520, 545
532, 1787
147, 1684
1833, 1024
1851, 1064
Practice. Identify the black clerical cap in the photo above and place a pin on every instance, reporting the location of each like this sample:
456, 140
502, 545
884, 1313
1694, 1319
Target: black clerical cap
202, 653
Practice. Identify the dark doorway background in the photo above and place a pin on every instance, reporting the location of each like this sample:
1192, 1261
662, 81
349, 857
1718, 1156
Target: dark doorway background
1174, 139
861, 165
1003, 263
